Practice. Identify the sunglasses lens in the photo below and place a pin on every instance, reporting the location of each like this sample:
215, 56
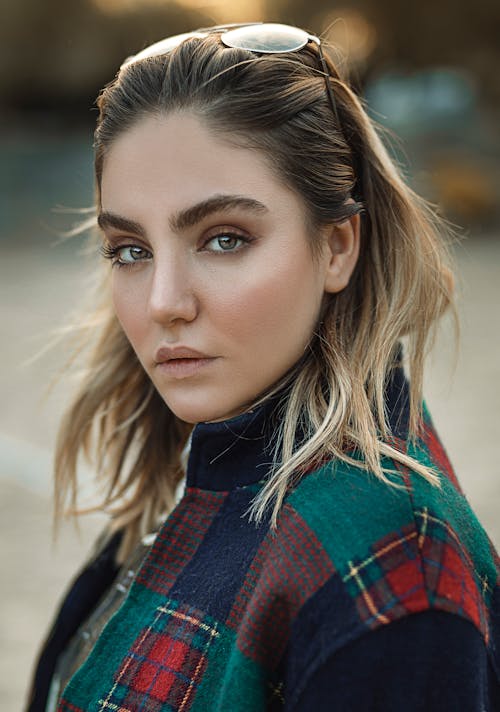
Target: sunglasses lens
161, 47
268, 38
265, 38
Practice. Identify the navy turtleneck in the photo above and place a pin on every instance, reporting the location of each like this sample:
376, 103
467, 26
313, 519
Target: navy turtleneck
232, 453
238, 452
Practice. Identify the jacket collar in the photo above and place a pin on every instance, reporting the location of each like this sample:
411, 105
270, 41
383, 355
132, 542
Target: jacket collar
233, 453
238, 452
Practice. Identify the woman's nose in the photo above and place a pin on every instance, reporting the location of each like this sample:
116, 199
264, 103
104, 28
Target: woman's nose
172, 297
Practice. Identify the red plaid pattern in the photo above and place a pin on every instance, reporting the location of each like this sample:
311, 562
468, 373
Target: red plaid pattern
451, 578
293, 562
438, 453
389, 583
411, 570
165, 664
178, 540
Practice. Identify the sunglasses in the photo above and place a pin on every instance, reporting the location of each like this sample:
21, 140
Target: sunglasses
260, 38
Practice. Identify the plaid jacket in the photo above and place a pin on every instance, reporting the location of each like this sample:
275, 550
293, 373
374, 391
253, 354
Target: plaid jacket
366, 598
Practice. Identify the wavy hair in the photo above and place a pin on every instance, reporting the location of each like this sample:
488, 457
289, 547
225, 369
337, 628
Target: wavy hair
401, 285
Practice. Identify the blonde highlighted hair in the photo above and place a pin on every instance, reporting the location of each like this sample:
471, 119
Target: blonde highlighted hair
401, 285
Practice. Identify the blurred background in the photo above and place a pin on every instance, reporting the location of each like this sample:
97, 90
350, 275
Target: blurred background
429, 73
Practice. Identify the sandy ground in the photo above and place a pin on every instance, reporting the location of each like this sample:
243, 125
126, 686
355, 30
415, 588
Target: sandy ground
39, 287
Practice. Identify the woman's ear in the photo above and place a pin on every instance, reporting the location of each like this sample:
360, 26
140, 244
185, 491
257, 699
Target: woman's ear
342, 251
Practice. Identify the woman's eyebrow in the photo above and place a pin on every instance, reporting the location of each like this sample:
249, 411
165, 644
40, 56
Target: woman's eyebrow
106, 219
184, 218
217, 203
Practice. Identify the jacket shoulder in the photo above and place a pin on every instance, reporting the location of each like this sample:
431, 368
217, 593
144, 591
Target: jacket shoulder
392, 552
373, 555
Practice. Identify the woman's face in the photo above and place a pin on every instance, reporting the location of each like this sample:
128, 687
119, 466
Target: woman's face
213, 279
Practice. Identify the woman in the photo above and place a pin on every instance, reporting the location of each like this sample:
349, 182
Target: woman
266, 261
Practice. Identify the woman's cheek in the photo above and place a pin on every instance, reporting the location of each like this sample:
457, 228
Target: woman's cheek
131, 310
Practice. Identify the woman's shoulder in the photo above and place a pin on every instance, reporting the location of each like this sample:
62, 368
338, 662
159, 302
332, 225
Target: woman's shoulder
410, 564
393, 552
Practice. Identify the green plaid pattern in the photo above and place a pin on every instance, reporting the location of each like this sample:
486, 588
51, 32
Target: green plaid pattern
164, 666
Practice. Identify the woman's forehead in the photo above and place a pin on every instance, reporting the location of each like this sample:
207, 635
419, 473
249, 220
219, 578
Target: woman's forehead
177, 160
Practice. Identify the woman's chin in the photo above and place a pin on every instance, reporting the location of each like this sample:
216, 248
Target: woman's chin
194, 413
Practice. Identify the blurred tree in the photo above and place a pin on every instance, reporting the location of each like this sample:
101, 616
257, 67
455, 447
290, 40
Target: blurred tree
57, 54
416, 35
413, 35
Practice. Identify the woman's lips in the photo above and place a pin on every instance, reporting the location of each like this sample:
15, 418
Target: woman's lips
183, 367
181, 361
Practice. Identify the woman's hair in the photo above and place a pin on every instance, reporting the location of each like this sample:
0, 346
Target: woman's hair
278, 105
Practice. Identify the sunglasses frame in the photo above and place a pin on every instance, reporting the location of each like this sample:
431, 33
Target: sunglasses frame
229, 35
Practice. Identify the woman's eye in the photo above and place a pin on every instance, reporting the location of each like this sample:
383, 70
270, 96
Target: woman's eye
125, 255
128, 255
225, 243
